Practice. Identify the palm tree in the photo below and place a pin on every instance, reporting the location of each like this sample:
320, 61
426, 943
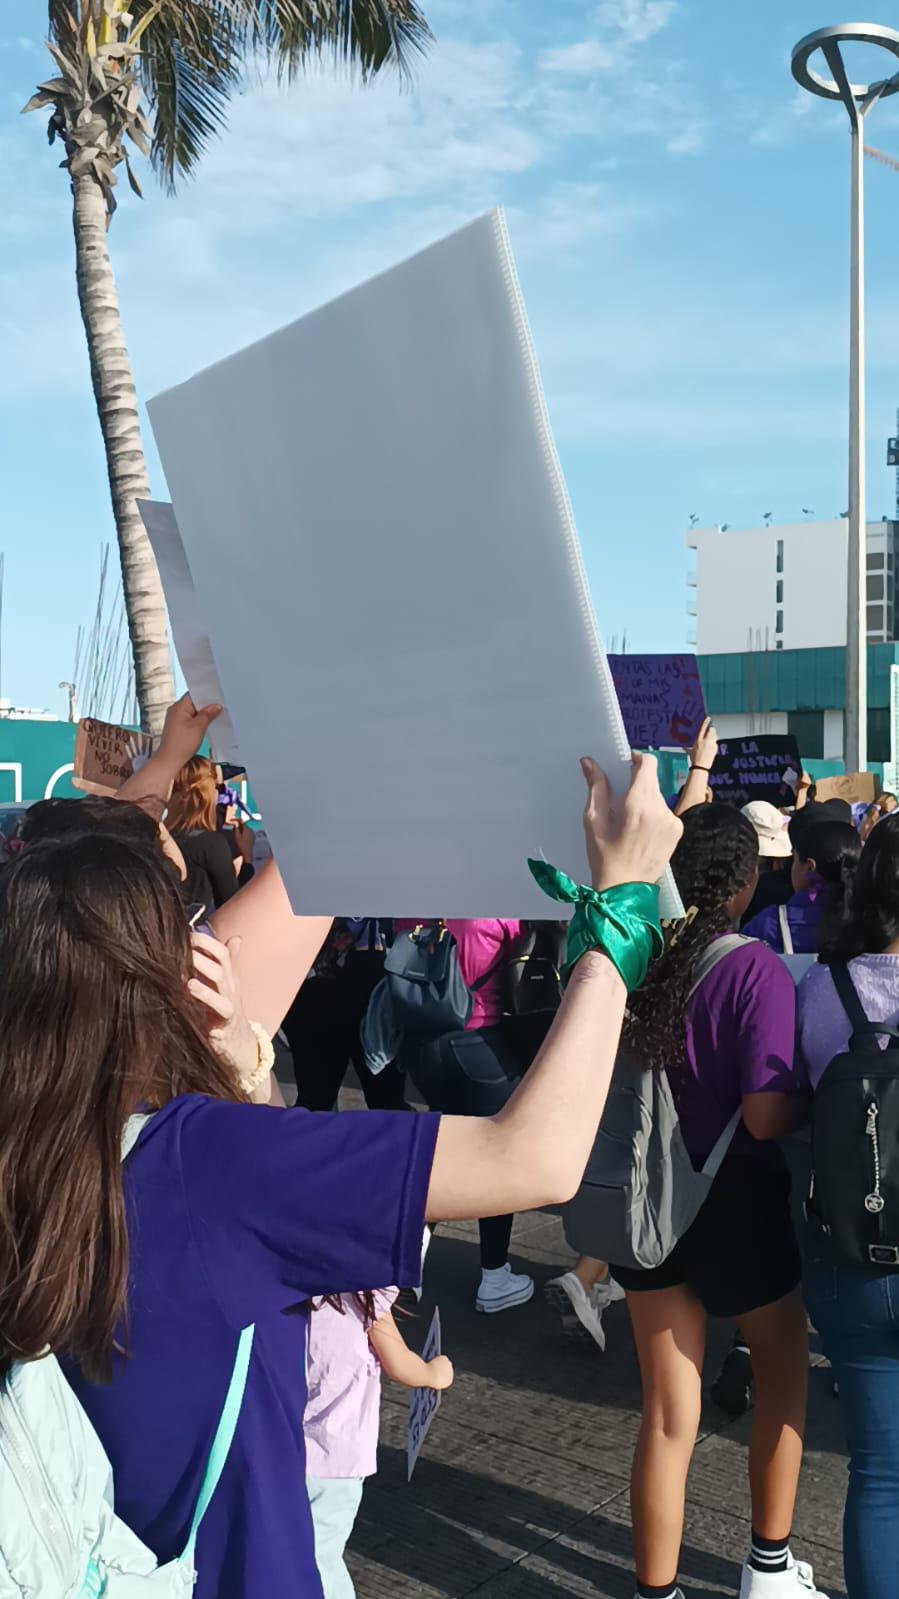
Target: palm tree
159, 74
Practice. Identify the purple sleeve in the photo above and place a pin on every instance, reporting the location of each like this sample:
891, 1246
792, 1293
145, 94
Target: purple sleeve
288, 1204
766, 1034
766, 926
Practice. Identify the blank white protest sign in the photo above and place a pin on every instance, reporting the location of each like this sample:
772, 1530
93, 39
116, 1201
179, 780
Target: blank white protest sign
192, 644
383, 551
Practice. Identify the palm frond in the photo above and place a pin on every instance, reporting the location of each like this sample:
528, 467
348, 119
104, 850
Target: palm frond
194, 53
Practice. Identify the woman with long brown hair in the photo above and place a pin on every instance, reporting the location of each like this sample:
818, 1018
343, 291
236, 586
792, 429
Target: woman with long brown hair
191, 820
225, 1215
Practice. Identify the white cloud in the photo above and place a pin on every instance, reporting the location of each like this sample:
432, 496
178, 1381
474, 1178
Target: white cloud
581, 60
688, 142
636, 20
329, 145
620, 27
569, 216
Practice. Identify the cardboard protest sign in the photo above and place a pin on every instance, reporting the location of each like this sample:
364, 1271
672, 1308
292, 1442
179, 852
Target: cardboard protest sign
107, 755
371, 499
424, 1403
191, 638
765, 767
857, 788
661, 699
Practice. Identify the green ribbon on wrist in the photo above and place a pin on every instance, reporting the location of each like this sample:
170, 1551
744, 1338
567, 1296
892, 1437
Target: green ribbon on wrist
623, 922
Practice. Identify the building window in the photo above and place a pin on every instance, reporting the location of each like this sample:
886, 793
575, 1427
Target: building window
875, 619
780, 555
779, 622
875, 588
807, 727
779, 644
875, 561
878, 733
780, 591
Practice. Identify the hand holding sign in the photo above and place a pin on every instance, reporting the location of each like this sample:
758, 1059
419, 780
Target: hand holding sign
424, 1403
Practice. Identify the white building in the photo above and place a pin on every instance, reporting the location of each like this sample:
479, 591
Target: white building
784, 588
770, 630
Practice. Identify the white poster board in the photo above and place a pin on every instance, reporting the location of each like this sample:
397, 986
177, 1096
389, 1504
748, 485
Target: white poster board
190, 635
371, 500
424, 1403
891, 768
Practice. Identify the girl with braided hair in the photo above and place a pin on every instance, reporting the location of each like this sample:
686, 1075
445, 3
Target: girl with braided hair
727, 1045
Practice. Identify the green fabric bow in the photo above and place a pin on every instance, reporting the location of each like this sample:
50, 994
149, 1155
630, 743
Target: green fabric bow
623, 922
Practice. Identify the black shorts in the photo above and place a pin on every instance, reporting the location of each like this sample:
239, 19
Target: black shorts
741, 1251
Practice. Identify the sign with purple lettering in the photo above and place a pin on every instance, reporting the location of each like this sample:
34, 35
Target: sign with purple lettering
661, 699
766, 767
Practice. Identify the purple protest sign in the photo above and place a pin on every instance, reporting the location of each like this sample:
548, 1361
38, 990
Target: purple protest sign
661, 699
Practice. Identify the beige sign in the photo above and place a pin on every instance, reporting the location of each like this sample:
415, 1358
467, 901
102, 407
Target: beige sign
854, 787
106, 755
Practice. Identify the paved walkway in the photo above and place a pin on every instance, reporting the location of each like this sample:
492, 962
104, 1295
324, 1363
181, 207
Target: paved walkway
522, 1489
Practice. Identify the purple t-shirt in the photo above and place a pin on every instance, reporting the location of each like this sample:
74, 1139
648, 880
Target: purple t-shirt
823, 1026
741, 1025
239, 1214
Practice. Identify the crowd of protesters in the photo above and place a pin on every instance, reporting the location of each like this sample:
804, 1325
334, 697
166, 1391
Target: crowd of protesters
148, 969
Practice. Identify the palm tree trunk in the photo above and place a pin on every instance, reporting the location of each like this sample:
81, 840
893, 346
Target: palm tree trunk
116, 398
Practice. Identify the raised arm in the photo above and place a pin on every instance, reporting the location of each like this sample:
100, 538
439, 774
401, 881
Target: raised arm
277, 948
184, 731
535, 1151
702, 759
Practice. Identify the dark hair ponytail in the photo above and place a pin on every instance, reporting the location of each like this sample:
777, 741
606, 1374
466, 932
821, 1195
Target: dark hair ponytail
714, 860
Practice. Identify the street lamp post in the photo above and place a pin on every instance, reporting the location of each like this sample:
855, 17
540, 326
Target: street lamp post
858, 100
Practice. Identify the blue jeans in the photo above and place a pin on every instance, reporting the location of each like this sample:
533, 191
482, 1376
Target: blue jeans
858, 1319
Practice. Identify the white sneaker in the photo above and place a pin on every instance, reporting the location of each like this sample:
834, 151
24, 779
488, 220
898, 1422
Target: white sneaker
797, 1582
503, 1290
578, 1306
608, 1292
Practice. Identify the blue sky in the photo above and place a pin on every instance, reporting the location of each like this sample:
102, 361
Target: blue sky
678, 211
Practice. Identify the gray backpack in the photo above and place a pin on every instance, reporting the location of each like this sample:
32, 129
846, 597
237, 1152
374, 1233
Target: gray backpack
640, 1191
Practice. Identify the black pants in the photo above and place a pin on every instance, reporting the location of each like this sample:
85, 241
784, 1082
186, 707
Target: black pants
322, 1029
468, 1074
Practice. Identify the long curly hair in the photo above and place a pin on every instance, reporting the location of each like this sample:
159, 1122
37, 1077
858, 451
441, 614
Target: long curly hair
716, 858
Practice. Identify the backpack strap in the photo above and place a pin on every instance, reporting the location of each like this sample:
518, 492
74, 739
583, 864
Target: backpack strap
725, 1139
224, 1436
786, 932
714, 953
848, 997
134, 1126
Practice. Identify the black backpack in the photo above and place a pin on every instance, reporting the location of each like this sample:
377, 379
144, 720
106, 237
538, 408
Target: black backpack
534, 972
855, 1142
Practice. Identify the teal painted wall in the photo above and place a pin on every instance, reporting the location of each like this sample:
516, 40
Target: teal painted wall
36, 761
36, 757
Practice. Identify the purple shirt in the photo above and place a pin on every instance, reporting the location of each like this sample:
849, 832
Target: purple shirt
239, 1214
804, 912
740, 1040
823, 1026
343, 1376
